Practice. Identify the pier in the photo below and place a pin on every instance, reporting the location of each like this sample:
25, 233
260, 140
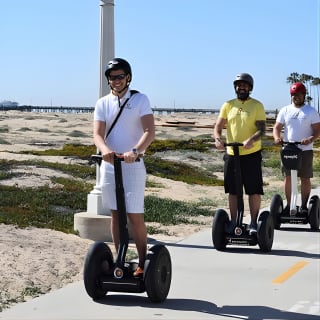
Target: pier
156, 110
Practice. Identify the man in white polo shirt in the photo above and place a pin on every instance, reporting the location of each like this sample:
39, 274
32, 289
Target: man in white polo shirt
301, 122
132, 133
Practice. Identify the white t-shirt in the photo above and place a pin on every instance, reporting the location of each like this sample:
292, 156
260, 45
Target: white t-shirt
297, 123
128, 129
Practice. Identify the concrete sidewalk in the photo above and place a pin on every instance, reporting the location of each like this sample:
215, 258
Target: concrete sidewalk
206, 284
72, 302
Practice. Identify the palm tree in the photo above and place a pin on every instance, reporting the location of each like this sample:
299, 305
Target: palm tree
306, 79
294, 77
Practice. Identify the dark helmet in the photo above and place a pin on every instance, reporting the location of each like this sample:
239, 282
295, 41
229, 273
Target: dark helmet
298, 87
244, 77
116, 64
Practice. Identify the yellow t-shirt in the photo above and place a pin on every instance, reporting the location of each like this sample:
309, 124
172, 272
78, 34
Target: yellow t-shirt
241, 119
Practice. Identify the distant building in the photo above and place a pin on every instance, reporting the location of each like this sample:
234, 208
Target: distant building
8, 105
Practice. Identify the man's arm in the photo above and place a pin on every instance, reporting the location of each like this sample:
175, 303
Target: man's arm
148, 132
217, 132
277, 132
315, 134
261, 126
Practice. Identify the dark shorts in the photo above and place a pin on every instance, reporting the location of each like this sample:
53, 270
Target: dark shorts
251, 172
306, 170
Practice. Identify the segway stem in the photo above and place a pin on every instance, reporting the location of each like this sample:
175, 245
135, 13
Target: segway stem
294, 183
122, 213
238, 179
240, 203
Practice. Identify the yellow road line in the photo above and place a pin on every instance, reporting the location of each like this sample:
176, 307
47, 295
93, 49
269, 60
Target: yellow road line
286, 275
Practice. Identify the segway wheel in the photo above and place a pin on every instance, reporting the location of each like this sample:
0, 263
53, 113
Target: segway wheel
220, 221
99, 260
265, 231
314, 213
158, 270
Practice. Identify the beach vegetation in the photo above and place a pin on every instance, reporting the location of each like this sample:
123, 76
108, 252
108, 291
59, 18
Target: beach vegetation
54, 206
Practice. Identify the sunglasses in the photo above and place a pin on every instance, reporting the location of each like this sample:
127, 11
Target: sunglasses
117, 77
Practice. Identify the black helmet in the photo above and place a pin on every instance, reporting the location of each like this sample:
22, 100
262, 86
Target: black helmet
244, 77
116, 64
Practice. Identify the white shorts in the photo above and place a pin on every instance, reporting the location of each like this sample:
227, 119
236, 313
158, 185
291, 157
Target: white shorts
134, 182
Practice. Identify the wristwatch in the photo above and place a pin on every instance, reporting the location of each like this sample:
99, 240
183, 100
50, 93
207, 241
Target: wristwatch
135, 151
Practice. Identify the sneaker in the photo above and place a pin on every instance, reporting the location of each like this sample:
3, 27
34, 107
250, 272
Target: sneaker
253, 229
230, 227
286, 211
303, 211
139, 272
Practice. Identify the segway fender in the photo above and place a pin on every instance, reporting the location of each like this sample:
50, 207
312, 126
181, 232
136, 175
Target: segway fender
158, 272
98, 261
220, 221
276, 209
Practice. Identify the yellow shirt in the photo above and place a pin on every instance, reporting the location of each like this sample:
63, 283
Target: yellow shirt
241, 119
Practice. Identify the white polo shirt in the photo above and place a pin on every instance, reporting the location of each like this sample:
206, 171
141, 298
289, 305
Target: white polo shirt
128, 129
297, 123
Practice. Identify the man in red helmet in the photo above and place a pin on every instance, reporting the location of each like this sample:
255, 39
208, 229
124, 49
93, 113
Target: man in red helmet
300, 122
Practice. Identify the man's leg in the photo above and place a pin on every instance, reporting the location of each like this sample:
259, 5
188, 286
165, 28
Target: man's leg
305, 190
139, 231
115, 228
287, 189
254, 206
233, 206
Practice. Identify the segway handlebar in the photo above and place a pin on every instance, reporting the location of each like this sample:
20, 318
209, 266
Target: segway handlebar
233, 144
284, 143
97, 158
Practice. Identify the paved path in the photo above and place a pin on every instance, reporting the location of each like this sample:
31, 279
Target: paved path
239, 283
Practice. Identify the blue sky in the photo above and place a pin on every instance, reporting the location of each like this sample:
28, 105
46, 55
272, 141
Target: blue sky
184, 54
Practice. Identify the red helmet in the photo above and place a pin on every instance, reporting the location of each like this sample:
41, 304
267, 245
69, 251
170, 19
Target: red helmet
298, 87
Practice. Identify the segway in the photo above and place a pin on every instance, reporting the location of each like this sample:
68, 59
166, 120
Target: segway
102, 274
240, 235
291, 160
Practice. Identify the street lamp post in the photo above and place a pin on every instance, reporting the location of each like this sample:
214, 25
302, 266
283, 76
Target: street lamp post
94, 201
95, 223
106, 41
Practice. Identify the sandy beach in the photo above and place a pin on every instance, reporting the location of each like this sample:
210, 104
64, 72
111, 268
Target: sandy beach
47, 259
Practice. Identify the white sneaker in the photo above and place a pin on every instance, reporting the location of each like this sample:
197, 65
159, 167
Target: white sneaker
253, 229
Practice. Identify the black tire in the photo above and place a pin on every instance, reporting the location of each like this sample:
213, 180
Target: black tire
276, 209
220, 221
314, 213
99, 260
265, 231
157, 278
